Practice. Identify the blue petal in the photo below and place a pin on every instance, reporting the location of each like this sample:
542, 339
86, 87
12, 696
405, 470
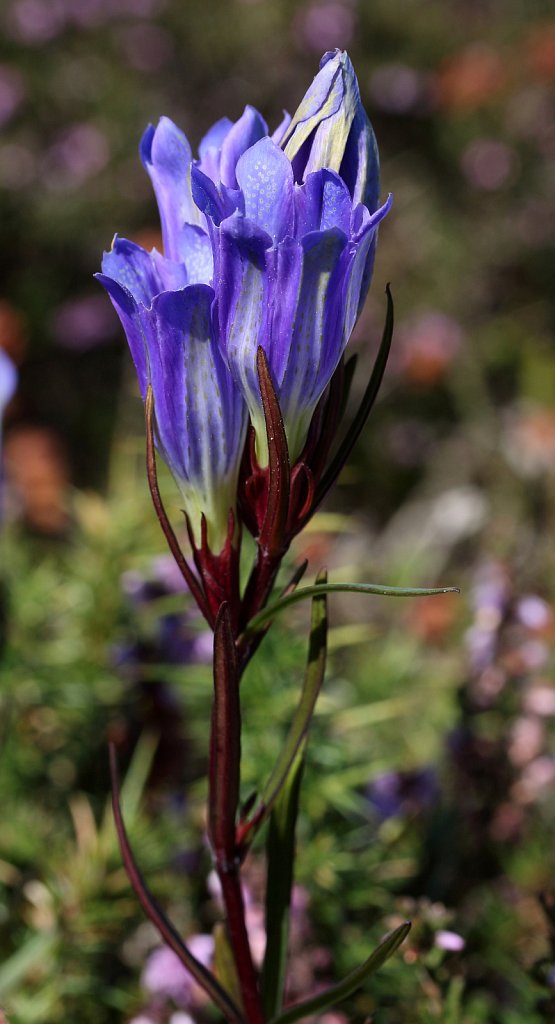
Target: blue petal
128, 311
215, 203
322, 202
242, 282
166, 155
134, 269
210, 148
360, 167
316, 327
265, 178
250, 127
198, 254
281, 129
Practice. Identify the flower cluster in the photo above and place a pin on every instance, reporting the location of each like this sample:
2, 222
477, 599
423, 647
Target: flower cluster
268, 243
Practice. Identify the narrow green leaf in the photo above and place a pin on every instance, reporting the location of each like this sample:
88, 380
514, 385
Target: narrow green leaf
313, 679
332, 588
350, 984
280, 849
280, 801
224, 964
369, 397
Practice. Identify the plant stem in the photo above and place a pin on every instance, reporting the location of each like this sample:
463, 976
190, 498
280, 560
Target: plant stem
235, 912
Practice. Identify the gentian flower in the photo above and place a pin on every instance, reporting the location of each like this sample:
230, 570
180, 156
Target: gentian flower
268, 241
166, 310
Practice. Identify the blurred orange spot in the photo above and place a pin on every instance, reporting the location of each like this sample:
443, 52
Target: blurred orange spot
431, 618
541, 51
13, 336
150, 238
471, 79
36, 467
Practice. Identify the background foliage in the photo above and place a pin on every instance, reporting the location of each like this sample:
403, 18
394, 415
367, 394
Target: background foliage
429, 789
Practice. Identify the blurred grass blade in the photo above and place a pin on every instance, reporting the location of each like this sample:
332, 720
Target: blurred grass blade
303, 593
369, 397
314, 677
350, 984
280, 855
29, 957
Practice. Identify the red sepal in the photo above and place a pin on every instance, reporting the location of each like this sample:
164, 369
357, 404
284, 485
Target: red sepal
219, 573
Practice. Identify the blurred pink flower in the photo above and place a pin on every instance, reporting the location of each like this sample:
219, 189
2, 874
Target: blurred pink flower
451, 942
427, 345
36, 21
164, 974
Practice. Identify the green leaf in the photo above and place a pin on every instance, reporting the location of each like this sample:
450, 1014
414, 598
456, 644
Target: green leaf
312, 684
280, 855
280, 798
350, 984
303, 593
224, 964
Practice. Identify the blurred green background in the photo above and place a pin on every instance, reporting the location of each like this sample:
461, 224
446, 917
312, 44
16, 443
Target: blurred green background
429, 791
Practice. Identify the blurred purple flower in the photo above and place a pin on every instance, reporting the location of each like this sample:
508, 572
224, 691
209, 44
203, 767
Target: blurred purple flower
146, 47
36, 21
488, 164
533, 612
323, 26
80, 152
12, 92
83, 323
395, 794
401, 89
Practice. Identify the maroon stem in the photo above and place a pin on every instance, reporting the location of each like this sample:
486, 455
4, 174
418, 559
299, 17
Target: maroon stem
238, 937
258, 589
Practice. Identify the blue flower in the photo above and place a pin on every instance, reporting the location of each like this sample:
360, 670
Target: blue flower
268, 241
200, 418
